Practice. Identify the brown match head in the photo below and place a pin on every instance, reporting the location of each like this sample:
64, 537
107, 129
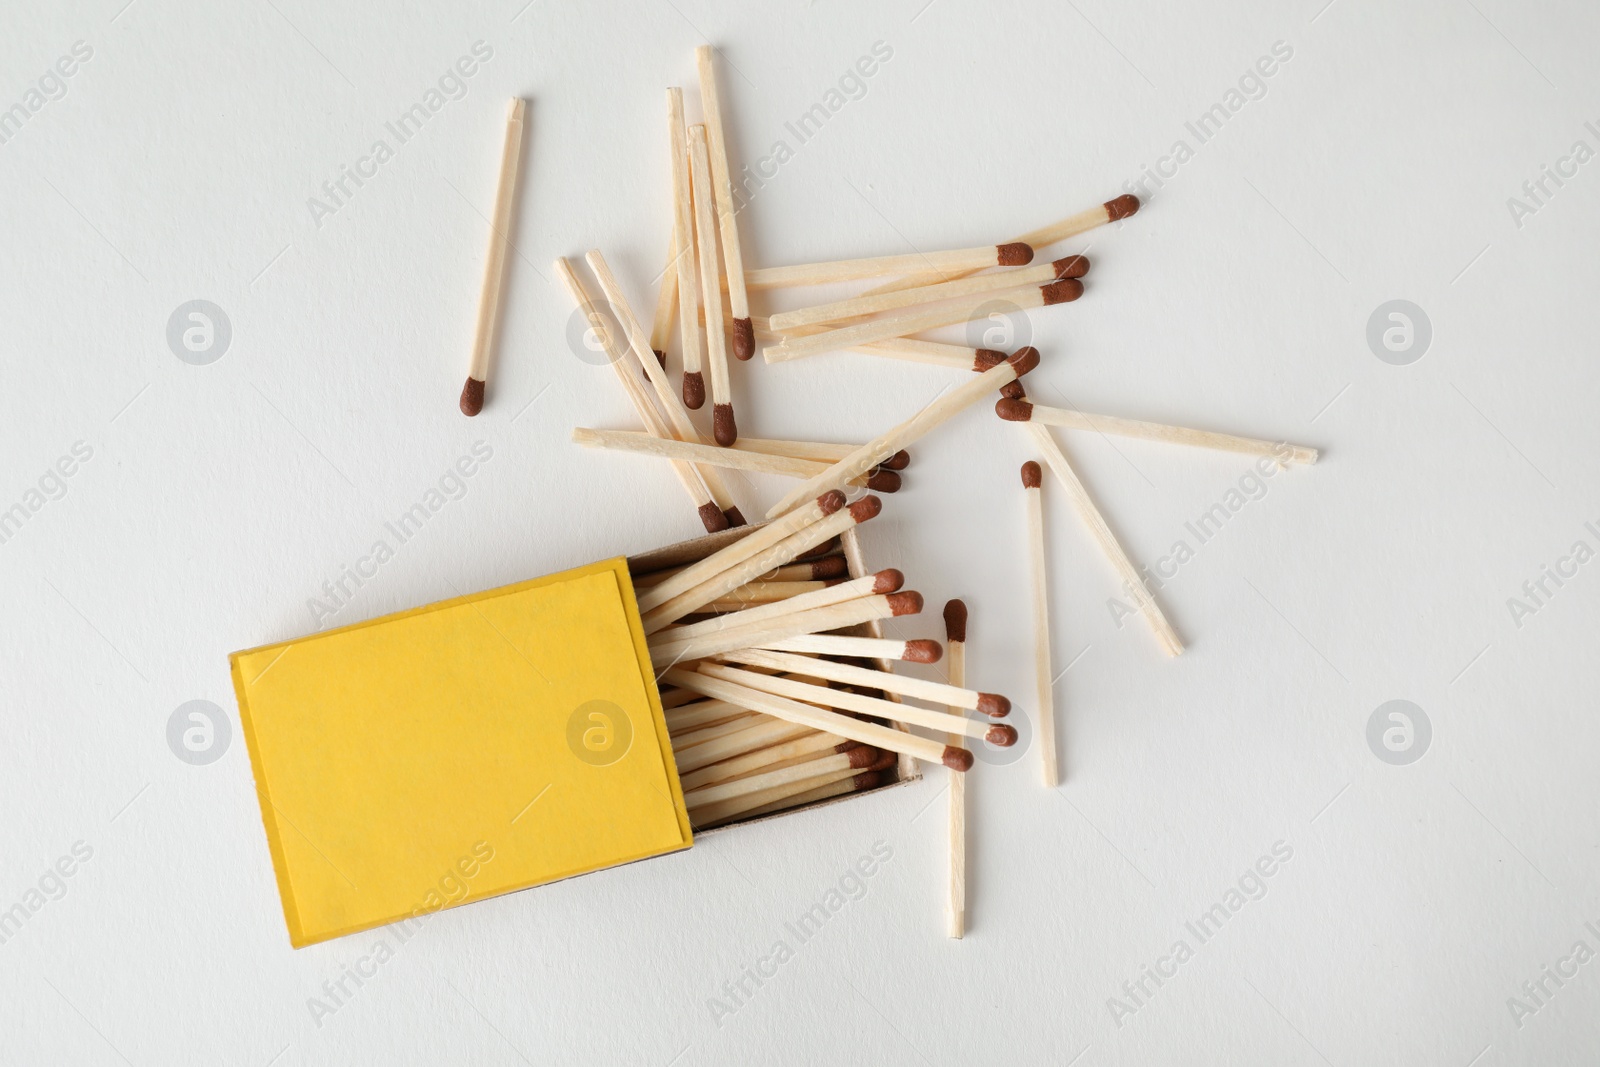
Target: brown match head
993, 705
1013, 391
661, 357
955, 620
840, 580
888, 581
922, 651
735, 517
986, 359
830, 501
1062, 292
1071, 267
472, 397
866, 508
883, 481
897, 462
828, 567
712, 517
744, 338
864, 781
1013, 410
1013, 254
1002, 735
1121, 207
694, 391
864, 756
908, 602
1025, 359
723, 427
886, 760
1032, 476
956, 758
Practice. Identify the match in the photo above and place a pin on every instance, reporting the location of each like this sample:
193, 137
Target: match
669, 448
1110, 547
816, 620
744, 341
915, 651
909, 322
738, 766
867, 733
1002, 734
991, 704
1043, 237
494, 266
880, 584
1023, 411
1011, 254
1070, 267
711, 515
1033, 491
677, 416
783, 552
751, 544
858, 758
723, 426
955, 635
687, 259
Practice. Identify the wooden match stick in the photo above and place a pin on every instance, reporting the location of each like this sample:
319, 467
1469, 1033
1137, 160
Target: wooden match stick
915, 651
686, 739
1033, 491
744, 342
716, 456
766, 730
783, 796
1022, 411
1011, 254
732, 555
955, 633
919, 319
494, 266
817, 450
666, 304
858, 758
908, 349
758, 592
1070, 267
1002, 734
859, 783
867, 733
784, 551
1084, 505
879, 584
816, 620
811, 743
876, 451
724, 428
711, 516
688, 259
809, 571
675, 698
678, 418
1043, 237
991, 704
699, 712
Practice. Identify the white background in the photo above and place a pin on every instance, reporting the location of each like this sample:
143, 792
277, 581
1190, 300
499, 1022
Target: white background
1376, 166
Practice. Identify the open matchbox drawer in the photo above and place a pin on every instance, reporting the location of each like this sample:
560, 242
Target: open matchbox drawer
682, 554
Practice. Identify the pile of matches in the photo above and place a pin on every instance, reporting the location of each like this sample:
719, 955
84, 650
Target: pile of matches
771, 703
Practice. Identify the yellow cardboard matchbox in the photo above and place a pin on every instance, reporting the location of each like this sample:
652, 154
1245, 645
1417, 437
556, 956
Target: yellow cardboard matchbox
460, 750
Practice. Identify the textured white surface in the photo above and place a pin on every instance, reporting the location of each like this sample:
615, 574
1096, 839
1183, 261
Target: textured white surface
1376, 166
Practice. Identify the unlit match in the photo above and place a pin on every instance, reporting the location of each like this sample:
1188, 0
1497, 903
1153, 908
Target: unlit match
1033, 487
955, 634
724, 428
1011, 254
918, 650
687, 261
494, 266
1039, 274
915, 321
1284, 453
744, 341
